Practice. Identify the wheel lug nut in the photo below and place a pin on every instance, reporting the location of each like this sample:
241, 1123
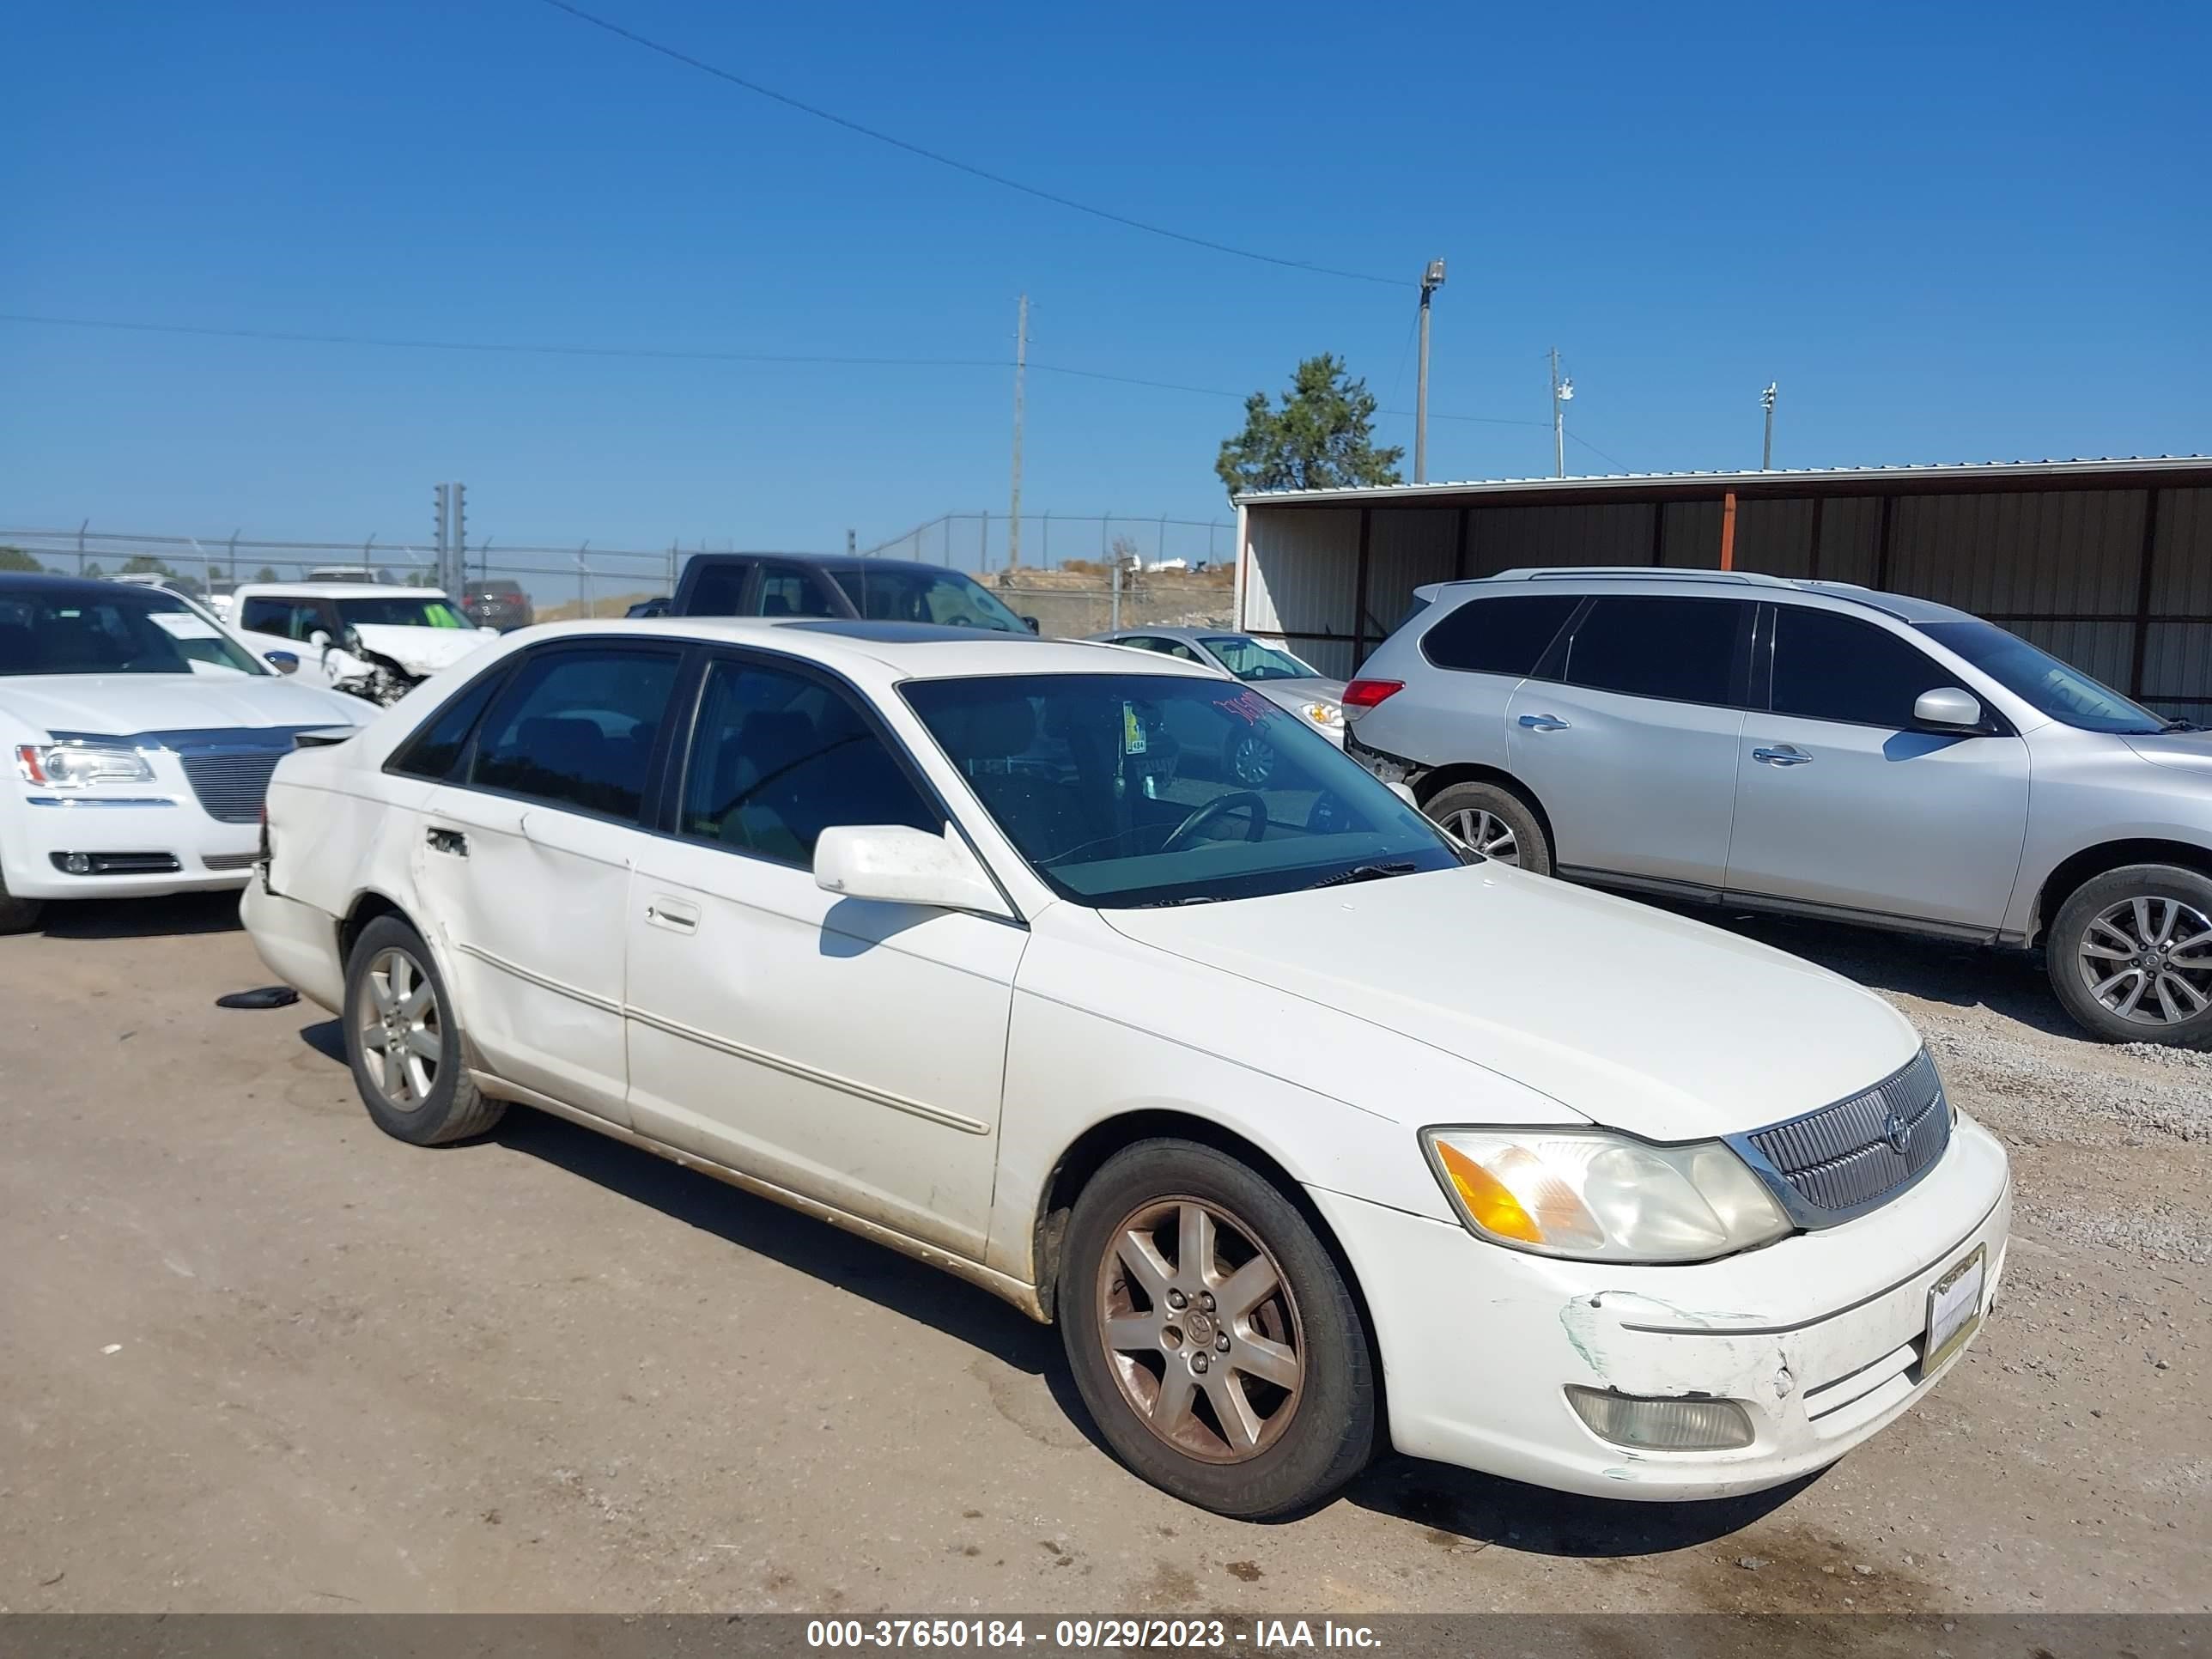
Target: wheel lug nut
1206, 1300
1177, 1299
1221, 1343
1198, 1363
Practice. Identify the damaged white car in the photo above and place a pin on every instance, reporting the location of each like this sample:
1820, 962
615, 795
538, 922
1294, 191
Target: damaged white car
372, 641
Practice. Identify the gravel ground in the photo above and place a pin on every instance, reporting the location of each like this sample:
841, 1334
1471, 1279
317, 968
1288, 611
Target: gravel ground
255, 1356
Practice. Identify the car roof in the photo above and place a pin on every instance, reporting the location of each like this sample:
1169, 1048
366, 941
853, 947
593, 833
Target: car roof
1748, 584
884, 651
827, 562
87, 588
336, 591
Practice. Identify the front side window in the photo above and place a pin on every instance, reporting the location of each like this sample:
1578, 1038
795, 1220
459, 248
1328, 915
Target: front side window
60, 633
1684, 650
1829, 667
576, 729
1508, 635
401, 611
894, 593
1118, 788
777, 757
785, 591
2057, 688
290, 619
1248, 659
719, 591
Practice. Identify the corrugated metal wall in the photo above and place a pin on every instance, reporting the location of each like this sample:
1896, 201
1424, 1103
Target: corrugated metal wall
2063, 568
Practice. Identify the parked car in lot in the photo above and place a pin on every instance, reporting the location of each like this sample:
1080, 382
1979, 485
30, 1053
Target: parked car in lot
1817, 749
1271, 671
655, 606
819, 585
928, 932
368, 641
496, 604
138, 738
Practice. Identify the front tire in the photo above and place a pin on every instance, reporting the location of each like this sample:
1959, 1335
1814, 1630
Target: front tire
1213, 1336
1497, 823
404, 1043
2130, 954
18, 915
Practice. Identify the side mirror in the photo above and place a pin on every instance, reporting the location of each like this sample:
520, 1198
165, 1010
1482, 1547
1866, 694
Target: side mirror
319, 639
1404, 794
284, 662
897, 865
1946, 706
1030, 622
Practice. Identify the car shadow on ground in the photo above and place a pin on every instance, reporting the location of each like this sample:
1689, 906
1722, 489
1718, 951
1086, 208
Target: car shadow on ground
141, 918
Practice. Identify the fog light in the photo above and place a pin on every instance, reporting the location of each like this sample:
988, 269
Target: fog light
77, 864
1662, 1424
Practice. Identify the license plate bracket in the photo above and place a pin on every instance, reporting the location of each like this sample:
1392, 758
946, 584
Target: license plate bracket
1954, 1310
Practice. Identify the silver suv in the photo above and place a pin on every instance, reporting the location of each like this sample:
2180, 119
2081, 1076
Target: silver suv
1817, 749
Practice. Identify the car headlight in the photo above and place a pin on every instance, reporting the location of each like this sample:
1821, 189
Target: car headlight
1323, 714
77, 765
1594, 1195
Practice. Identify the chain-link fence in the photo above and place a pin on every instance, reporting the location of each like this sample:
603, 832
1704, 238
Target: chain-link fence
982, 541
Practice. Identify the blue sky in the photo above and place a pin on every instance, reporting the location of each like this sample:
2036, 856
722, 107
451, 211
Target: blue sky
1950, 232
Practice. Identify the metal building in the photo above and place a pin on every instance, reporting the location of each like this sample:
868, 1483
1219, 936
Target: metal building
2107, 563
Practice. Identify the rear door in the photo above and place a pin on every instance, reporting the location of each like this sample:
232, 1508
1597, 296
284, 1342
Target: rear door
1452, 709
1839, 801
1628, 733
523, 861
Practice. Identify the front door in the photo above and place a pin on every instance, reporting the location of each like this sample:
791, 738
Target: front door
1840, 801
523, 862
1629, 738
848, 1050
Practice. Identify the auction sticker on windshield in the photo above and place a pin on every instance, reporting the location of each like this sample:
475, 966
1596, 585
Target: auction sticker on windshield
183, 625
1955, 1307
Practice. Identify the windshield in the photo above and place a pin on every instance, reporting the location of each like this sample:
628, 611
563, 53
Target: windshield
2064, 693
1248, 659
401, 611
1123, 790
945, 596
146, 632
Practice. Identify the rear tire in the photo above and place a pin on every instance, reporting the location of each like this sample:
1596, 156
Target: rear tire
1488, 815
403, 1041
1213, 1336
2130, 954
18, 915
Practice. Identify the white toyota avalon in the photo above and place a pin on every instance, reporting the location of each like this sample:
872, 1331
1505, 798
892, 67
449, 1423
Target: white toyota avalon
1311, 1129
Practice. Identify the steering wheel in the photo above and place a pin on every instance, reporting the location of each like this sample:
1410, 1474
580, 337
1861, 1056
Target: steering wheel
1242, 799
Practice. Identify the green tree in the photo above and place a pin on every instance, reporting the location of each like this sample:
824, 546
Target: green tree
13, 558
1322, 436
264, 574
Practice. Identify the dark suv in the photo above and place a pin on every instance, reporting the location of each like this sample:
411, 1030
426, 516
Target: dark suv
501, 604
812, 584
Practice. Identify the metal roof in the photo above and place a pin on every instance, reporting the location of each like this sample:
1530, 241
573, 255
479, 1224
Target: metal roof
1784, 481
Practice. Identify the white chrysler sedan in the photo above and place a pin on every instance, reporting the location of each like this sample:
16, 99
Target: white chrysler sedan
137, 738
1311, 1129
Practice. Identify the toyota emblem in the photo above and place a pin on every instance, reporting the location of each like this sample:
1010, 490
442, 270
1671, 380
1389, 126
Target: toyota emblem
1894, 1130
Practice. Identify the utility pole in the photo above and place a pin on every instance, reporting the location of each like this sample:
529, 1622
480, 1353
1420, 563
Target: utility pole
452, 568
443, 494
1766, 402
1021, 362
1563, 393
1431, 280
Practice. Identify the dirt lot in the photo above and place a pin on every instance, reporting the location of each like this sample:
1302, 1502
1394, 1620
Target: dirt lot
255, 1356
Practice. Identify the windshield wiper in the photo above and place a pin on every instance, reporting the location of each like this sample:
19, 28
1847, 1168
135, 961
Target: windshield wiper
2181, 725
1162, 904
1365, 872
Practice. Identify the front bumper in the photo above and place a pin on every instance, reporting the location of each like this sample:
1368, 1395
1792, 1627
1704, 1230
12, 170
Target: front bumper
1819, 1335
43, 823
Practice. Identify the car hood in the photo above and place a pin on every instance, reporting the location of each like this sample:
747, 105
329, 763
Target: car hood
2190, 751
125, 704
1294, 695
421, 650
1633, 1017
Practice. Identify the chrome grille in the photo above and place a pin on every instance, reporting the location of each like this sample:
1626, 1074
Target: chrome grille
230, 861
1845, 1158
231, 782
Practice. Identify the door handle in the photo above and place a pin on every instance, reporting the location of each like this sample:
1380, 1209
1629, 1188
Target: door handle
448, 841
1788, 754
671, 914
1543, 722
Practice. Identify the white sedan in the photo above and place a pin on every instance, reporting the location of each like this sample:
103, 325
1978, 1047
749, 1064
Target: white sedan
932, 935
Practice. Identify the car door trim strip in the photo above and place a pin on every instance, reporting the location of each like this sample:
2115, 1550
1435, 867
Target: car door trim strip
604, 1004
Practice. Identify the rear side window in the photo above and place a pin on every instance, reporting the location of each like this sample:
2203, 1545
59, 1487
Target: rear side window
1684, 650
1498, 635
576, 729
785, 591
433, 750
719, 591
292, 619
1828, 667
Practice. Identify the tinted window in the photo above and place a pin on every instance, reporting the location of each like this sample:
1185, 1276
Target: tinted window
785, 591
576, 728
432, 752
1828, 667
1682, 649
292, 619
778, 758
1498, 636
718, 591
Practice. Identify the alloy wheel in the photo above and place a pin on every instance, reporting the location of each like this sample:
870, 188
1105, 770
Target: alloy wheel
2149, 960
1200, 1330
402, 1036
1252, 759
1487, 833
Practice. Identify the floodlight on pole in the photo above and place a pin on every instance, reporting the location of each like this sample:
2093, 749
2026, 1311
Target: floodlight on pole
1766, 402
1431, 279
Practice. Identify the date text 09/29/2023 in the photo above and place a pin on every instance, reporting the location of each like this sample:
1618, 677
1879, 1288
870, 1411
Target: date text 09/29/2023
1258, 1635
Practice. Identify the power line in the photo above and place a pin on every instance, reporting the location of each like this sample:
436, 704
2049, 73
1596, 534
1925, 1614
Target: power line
957, 166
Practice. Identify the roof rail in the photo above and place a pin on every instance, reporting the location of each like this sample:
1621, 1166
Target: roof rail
1641, 572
